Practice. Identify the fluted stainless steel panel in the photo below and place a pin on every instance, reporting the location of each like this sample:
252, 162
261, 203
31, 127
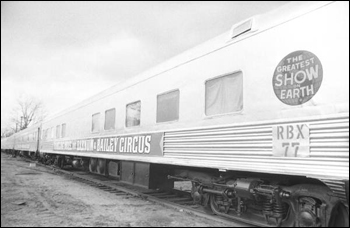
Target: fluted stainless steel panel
249, 148
338, 188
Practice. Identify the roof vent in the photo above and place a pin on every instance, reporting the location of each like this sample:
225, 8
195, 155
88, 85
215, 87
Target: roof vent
243, 27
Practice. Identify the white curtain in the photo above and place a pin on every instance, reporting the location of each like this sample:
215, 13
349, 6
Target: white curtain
224, 94
95, 123
63, 134
133, 114
58, 131
110, 119
168, 107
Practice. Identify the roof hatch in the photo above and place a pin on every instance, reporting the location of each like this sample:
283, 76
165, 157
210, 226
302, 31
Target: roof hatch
242, 27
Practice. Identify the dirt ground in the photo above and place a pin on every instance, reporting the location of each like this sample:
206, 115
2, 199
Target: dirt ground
31, 198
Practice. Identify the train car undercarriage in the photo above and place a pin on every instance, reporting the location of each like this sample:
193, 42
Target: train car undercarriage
261, 200
267, 202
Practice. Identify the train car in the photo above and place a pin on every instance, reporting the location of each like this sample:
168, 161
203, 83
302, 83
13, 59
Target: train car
257, 119
5, 144
25, 142
8, 144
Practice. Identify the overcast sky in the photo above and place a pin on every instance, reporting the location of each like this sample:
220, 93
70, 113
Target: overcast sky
65, 52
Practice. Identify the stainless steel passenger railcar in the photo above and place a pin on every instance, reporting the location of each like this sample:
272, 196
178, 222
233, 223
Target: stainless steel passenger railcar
257, 119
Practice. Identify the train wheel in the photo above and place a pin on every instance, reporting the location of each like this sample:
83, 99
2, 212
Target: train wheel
215, 207
33, 156
340, 216
61, 161
207, 207
208, 210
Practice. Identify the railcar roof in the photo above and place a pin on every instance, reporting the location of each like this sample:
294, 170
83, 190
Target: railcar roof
261, 23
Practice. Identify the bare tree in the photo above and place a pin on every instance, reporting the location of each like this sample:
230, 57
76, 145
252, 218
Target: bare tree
26, 112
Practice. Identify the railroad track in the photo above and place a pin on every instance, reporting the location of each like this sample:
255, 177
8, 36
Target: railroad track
176, 199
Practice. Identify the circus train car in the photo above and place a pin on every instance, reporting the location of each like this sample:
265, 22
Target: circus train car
23, 143
7, 144
257, 119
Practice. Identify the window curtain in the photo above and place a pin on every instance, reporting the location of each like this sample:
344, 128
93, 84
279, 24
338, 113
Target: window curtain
224, 94
95, 123
63, 134
110, 119
133, 114
168, 107
58, 130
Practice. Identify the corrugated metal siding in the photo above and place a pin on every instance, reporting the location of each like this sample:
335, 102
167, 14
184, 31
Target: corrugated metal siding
249, 148
338, 188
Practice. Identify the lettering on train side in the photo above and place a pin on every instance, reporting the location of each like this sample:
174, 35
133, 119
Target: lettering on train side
297, 78
291, 140
137, 144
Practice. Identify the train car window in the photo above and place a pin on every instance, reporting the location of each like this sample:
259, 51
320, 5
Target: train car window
63, 130
48, 133
133, 114
224, 94
95, 123
168, 106
52, 133
58, 131
110, 119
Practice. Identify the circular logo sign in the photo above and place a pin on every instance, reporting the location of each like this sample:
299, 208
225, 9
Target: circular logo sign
297, 78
